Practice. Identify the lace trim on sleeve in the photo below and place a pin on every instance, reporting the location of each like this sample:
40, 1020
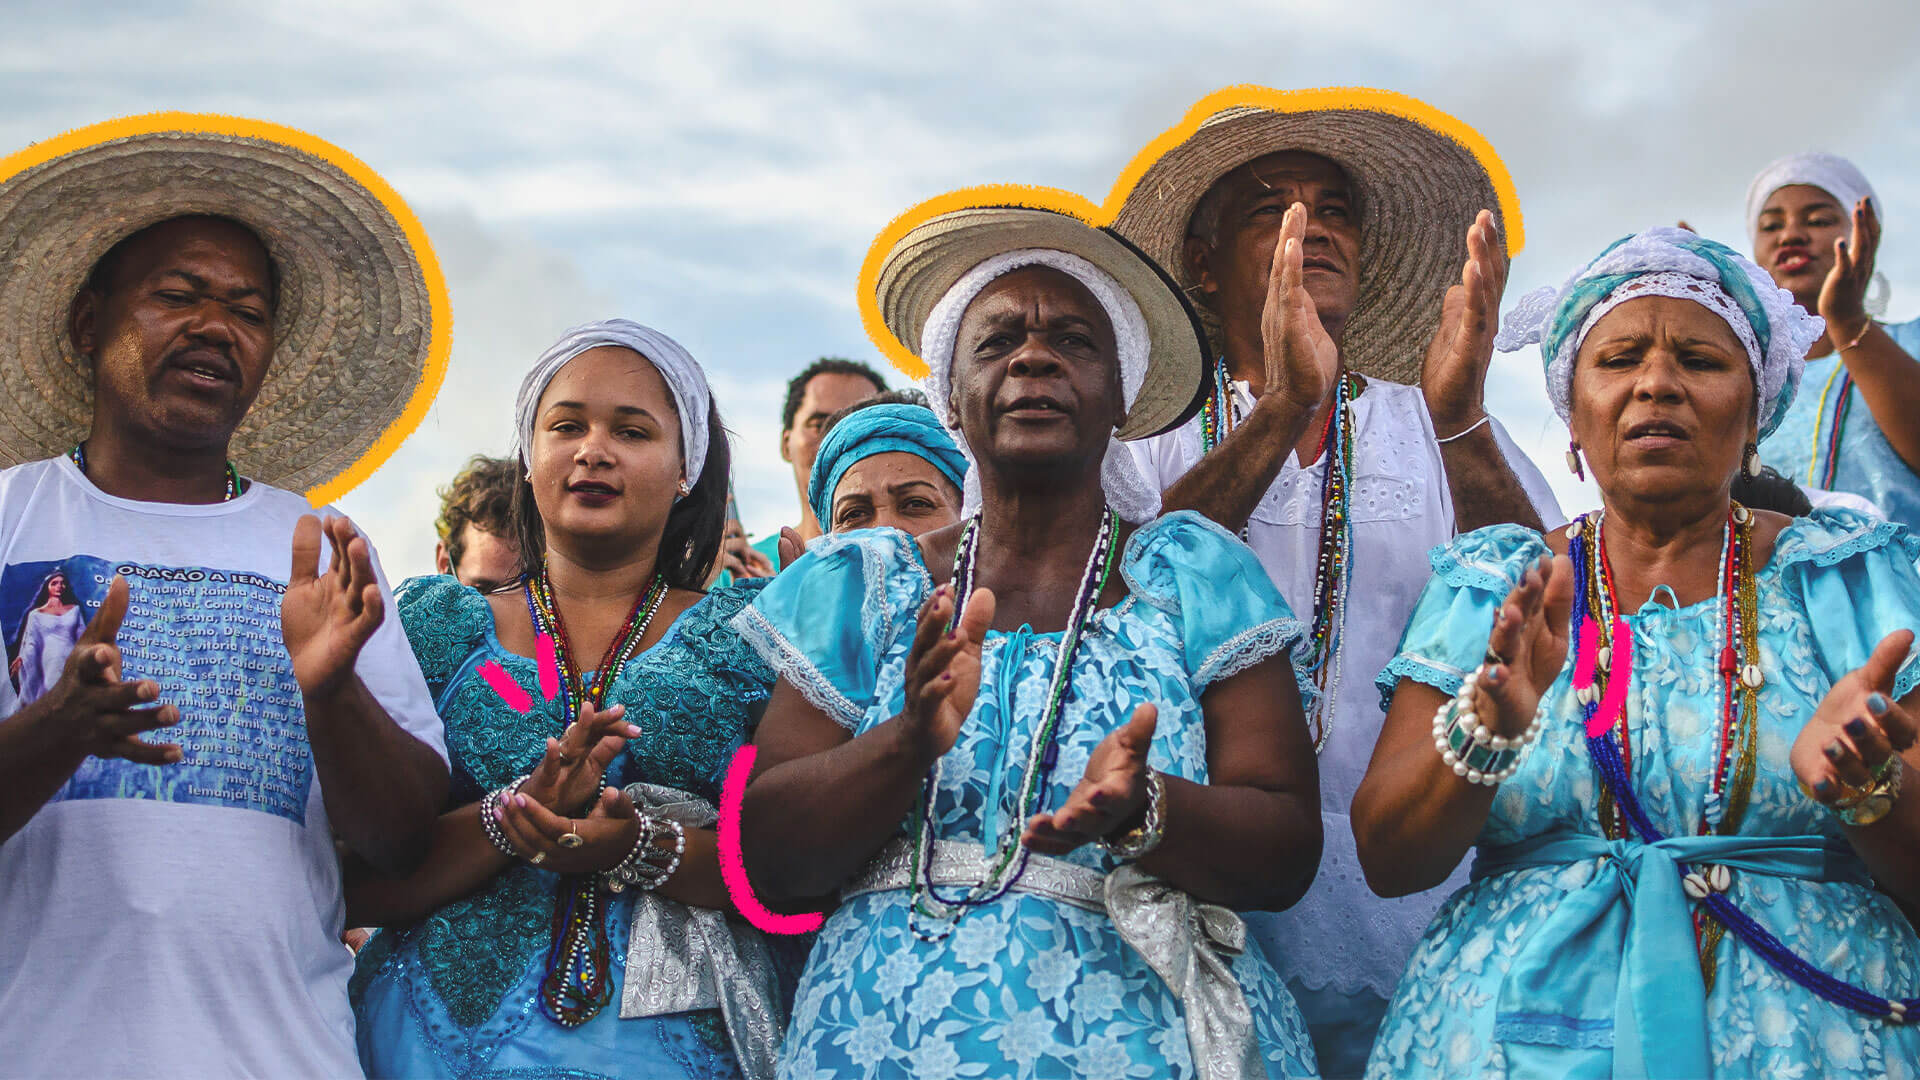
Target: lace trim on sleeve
1487, 559
1247, 648
1438, 674
1832, 536
790, 663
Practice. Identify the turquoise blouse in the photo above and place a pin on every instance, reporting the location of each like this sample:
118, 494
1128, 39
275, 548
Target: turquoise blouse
1868, 465
1025, 985
1837, 582
456, 995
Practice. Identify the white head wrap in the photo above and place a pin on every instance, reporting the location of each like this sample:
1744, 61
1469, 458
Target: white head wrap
685, 380
1832, 174
1675, 263
1127, 491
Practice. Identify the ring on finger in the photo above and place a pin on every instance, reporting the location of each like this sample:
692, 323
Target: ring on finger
1494, 659
571, 839
1887, 765
537, 858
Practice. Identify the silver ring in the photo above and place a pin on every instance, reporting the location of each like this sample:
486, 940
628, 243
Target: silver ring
537, 858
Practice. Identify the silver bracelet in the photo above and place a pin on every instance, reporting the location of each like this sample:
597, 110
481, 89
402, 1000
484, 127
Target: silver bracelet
1475, 426
1138, 842
639, 870
489, 803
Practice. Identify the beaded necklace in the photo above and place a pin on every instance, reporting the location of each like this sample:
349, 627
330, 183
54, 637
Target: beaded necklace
1008, 860
1317, 654
235, 486
1707, 885
1818, 474
577, 985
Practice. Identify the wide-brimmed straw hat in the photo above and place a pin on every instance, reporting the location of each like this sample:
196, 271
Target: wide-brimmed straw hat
1419, 176
362, 324
917, 259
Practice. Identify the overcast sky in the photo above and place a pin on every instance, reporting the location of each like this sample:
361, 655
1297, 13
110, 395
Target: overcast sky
720, 173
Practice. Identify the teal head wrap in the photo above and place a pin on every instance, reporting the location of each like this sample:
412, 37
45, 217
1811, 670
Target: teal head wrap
880, 429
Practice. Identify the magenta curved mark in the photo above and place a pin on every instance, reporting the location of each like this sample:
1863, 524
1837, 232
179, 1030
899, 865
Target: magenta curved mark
503, 684
733, 869
1587, 660
549, 668
1619, 674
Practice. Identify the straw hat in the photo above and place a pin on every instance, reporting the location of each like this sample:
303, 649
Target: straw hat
1419, 177
362, 324
917, 260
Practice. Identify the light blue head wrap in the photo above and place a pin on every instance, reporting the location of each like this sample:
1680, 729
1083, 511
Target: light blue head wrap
880, 429
1775, 330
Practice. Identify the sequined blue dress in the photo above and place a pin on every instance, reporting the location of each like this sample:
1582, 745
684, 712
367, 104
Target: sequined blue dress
1025, 986
1868, 465
456, 995
1836, 583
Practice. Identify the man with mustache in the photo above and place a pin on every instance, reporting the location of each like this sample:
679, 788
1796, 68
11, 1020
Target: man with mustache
1324, 249
170, 900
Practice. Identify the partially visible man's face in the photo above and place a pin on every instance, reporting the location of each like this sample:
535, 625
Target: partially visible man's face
182, 335
1232, 266
825, 395
487, 560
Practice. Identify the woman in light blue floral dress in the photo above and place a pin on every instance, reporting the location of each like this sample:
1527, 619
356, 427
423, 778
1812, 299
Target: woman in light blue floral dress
1713, 705
1069, 914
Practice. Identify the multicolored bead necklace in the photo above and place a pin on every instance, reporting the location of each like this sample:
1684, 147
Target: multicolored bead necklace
1318, 654
236, 487
1820, 471
1734, 772
1008, 860
578, 983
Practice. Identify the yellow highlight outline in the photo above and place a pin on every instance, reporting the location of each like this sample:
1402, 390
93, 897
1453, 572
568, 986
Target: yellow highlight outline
440, 348
1364, 98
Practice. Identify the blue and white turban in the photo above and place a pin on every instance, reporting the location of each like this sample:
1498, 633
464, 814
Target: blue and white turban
1775, 330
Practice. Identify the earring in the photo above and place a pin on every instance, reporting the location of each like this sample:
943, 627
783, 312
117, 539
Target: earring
1750, 465
1574, 464
686, 489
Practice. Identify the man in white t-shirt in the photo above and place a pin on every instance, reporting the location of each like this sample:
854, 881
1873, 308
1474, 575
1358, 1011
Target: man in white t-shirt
1321, 245
170, 899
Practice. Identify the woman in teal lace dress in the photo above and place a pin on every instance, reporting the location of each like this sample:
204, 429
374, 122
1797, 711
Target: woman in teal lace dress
1855, 427
1673, 733
505, 954
1040, 819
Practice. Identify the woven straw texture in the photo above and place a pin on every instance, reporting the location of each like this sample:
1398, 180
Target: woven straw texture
355, 320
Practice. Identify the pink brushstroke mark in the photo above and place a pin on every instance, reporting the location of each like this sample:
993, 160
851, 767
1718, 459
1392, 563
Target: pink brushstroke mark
549, 668
503, 684
1614, 702
733, 869
1587, 660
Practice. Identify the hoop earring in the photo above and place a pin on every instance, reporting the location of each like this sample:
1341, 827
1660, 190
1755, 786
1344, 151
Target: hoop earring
1750, 465
1574, 464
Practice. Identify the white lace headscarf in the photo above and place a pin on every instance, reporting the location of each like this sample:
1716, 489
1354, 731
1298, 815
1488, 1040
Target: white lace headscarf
1127, 490
1837, 177
683, 375
1774, 330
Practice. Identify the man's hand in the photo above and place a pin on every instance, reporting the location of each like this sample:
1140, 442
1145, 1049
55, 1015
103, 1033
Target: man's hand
100, 713
1302, 361
325, 619
738, 558
1454, 376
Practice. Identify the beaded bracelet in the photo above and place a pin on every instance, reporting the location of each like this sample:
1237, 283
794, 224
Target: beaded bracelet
1469, 747
1137, 842
489, 803
638, 870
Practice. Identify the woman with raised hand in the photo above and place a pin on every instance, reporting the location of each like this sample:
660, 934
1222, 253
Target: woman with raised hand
550, 885
1041, 753
1815, 226
1673, 733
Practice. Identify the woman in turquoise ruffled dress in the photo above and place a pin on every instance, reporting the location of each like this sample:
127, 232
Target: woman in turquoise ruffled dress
1039, 803
564, 926
1673, 733
1855, 427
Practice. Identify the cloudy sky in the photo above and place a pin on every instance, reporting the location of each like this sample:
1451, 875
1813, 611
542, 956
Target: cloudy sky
719, 173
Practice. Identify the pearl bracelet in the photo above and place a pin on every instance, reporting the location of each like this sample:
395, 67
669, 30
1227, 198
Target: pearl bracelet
638, 870
1136, 843
489, 803
1469, 747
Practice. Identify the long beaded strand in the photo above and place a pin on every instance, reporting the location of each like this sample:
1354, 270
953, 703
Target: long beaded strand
577, 983
1009, 859
1714, 899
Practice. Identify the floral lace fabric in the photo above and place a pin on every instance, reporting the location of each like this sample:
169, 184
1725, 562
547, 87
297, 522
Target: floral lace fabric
1836, 583
1024, 986
463, 981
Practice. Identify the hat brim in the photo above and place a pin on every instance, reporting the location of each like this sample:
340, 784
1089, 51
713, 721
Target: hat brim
1419, 176
940, 241
362, 324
